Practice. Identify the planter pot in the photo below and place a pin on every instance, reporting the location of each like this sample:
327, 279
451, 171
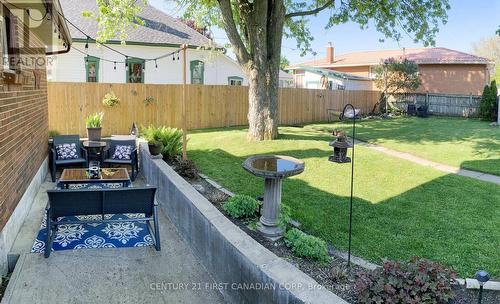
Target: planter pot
94, 134
155, 149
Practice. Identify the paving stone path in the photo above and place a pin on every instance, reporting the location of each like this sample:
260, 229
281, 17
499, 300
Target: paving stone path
438, 166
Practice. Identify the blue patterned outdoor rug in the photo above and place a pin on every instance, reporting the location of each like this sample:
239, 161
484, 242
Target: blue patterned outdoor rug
95, 235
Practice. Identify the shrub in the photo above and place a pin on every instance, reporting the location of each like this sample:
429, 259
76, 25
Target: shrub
308, 246
170, 138
419, 281
186, 168
240, 206
94, 120
488, 108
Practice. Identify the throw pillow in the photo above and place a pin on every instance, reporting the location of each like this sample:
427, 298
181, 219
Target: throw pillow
122, 152
66, 151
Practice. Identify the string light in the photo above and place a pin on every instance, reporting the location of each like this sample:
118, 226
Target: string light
173, 57
87, 43
114, 65
177, 55
126, 61
156, 64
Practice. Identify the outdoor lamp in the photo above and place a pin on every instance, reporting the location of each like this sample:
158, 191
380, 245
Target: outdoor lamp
482, 277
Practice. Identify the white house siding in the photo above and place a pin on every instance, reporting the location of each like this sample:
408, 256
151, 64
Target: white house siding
70, 67
312, 81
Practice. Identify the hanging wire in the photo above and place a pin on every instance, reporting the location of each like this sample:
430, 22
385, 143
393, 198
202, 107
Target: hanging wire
89, 38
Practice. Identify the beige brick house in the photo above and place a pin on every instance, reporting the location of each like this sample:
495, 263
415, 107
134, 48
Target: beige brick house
442, 70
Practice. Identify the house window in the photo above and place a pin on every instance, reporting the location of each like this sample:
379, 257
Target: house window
92, 68
135, 71
235, 80
197, 68
5, 38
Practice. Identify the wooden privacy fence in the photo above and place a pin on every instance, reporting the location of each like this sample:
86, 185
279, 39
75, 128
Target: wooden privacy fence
443, 104
207, 106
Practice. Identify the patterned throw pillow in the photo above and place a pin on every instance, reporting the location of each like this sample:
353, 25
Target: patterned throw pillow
66, 151
122, 152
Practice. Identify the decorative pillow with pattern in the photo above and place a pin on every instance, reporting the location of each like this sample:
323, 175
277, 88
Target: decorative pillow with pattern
122, 152
66, 151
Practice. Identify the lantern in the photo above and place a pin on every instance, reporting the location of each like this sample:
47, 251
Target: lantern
340, 146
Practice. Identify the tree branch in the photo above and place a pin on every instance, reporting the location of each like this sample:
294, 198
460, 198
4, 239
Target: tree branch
310, 12
232, 32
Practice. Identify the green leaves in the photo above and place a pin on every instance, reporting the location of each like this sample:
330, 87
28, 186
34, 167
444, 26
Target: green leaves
116, 18
241, 206
94, 120
305, 245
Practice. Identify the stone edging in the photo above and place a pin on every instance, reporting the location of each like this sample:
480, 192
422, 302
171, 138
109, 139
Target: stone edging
253, 274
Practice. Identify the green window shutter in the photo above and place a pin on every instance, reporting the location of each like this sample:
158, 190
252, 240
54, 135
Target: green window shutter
197, 69
92, 69
135, 70
234, 80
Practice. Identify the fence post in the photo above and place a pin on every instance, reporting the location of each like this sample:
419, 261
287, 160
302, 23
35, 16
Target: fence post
427, 98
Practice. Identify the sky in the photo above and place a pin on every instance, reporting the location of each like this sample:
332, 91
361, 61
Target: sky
468, 22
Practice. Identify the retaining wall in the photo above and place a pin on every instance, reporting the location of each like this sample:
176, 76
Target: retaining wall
246, 271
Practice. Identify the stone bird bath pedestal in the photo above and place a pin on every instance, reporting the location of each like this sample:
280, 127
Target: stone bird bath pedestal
273, 168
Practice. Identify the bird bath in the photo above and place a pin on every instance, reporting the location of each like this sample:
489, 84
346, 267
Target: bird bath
273, 168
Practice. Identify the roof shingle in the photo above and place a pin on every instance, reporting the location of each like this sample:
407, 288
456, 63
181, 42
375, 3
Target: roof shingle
159, 27
419, 55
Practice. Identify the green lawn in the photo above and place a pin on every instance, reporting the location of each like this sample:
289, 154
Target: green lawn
400, 210
469, 144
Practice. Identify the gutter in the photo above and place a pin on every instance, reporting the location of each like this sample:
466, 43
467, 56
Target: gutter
56, 7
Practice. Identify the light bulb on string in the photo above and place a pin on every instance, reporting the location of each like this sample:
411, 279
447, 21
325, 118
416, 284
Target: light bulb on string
177, 55
126, 61
114, 67
87, 43
156, 64
173, 57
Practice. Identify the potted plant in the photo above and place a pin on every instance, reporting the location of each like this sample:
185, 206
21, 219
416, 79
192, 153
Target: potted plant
155, 146
94, 123
153, 136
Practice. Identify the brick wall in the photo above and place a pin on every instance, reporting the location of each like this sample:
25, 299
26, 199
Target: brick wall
453, 78
23, 119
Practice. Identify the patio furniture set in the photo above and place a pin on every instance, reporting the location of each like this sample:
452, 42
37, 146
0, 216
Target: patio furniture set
66, 201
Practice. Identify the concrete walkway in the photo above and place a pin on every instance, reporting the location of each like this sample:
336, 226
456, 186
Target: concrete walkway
109, 275
438, 166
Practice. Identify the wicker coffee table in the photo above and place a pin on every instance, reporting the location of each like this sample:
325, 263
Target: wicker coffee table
81, 176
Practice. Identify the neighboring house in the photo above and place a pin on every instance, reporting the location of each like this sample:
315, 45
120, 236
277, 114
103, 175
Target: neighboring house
441, 70
318, 78
25, 41
160, 35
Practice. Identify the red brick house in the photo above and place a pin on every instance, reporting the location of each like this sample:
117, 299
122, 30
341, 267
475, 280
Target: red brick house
29, 30
442, 70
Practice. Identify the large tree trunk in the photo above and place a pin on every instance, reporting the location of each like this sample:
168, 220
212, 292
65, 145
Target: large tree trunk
260, 59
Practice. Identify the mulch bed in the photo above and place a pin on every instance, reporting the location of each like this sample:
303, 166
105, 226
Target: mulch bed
335, 276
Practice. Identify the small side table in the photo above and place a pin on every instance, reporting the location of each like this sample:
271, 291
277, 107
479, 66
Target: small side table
94, 149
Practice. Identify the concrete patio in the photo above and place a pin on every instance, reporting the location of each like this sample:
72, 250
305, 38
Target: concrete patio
107, 275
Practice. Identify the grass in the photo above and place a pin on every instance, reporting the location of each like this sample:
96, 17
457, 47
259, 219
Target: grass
469, 144
400, 209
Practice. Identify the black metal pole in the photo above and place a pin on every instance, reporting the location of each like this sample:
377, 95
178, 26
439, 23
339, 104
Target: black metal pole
352, 178
479, 299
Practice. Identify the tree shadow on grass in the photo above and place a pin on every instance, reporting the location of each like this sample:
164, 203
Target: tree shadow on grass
433, 220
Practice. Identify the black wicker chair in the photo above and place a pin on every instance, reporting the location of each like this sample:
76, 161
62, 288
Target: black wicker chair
81, 161
107, 157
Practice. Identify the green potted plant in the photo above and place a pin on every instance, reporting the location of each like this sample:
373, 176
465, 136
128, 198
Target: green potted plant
153, 137
94, 124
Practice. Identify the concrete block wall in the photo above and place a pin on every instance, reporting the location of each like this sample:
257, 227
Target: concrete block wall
246, 271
